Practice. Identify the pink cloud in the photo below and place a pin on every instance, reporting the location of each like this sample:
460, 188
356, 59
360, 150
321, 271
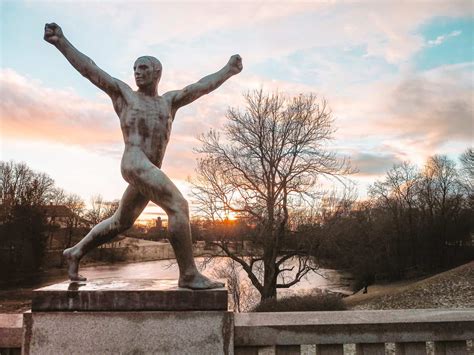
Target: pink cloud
31, 111
434, 106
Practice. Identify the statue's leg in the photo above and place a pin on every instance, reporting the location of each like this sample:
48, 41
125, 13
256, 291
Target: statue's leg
130, 207
156, 186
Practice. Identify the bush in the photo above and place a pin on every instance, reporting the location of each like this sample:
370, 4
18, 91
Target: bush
304, 303
22, 241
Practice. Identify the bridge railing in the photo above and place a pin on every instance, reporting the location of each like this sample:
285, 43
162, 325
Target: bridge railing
11, 333
370, 331
410, 332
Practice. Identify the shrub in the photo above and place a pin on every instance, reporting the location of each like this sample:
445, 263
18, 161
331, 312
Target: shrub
303, 303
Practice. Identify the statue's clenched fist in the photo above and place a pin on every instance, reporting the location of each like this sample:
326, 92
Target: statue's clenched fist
145, 143
52, 33
235, 64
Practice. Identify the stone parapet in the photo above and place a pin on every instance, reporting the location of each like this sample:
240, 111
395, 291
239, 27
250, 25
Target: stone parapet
195, 332
118, 316
10, 331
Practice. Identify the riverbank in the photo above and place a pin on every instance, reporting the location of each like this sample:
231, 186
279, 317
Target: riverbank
450, 289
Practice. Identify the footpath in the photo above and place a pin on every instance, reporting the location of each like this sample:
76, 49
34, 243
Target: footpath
450, 289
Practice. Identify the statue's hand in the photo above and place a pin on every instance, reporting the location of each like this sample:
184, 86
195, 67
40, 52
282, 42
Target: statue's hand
235, 64
52, 33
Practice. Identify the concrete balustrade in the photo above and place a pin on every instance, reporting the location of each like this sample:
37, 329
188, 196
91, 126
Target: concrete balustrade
369, 330
11, 333
285, 332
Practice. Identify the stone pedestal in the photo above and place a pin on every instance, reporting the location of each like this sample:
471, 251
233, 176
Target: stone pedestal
117, 316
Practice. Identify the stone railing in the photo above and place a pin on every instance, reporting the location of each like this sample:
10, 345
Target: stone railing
406, 332
330, 332
11, 333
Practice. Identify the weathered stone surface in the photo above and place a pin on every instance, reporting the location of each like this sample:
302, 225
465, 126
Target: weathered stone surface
128, 333
126, 295
10, 330
289, 328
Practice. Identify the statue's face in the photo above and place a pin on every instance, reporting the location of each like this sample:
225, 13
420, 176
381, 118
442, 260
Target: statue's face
145, 74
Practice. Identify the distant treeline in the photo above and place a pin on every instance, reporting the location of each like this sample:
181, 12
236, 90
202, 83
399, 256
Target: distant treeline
414, 221
33, 211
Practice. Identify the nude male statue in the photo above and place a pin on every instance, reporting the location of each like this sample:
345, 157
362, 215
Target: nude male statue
145, 119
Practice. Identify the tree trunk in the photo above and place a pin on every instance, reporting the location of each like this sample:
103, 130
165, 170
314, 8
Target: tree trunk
269, 278
269, 288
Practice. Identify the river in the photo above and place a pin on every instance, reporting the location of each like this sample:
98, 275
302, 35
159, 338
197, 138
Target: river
324, 279
16, 296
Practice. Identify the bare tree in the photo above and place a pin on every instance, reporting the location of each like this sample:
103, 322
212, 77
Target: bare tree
19, 185
467, 161
415, 219
23, 192
440, 191
441, 197
58, 197
266, 167
243, 295
76, 205
101, 209
467, 173
398, 195
425, 211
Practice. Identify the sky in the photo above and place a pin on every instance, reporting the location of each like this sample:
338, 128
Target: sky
398, 77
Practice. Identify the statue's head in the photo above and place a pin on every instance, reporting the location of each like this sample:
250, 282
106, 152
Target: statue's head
147, 71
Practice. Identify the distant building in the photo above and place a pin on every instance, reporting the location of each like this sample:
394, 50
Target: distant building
159, 223
62, 217
58, 215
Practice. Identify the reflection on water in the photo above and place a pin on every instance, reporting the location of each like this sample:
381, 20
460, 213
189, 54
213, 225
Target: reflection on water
160, 269
325, 279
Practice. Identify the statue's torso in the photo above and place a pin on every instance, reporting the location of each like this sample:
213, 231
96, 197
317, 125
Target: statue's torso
146, 127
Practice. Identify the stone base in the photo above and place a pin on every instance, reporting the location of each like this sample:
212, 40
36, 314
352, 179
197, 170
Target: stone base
112, 294
117, 316
128, 333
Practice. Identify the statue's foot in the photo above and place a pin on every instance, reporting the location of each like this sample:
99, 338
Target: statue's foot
198, 281
73, 265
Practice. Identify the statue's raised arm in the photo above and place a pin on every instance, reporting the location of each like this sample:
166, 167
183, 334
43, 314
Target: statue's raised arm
83, 64
207, 84
146, 119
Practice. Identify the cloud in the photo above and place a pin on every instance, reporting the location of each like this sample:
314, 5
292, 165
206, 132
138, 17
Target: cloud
370, 164
156, 22
376, 101
407, 117
434, 106
29, 110
190, 32
440, 39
